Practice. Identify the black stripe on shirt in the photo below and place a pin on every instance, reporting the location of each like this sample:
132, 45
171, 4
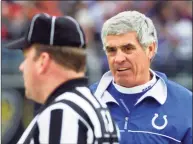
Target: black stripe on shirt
94, 98
97, 112
36, 135
100, 119
82, 133
78, 110
31, 134
85, 98
55, 126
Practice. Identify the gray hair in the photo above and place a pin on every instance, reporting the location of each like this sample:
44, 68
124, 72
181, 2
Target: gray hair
131, 21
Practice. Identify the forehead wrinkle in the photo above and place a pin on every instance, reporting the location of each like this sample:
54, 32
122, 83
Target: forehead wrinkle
121, 39
129, 44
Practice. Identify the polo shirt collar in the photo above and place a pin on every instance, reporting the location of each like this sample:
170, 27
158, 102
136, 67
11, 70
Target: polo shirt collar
158, 91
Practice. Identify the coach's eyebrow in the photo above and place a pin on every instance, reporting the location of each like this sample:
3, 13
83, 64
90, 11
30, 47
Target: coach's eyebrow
109, 47
129, 45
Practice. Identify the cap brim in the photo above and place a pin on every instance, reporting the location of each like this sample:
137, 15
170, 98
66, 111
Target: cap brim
17, 44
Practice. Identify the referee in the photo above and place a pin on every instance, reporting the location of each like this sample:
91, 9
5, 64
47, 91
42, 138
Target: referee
54, 75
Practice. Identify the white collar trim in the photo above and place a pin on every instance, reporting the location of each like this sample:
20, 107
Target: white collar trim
108, 98
158, 91
136, 89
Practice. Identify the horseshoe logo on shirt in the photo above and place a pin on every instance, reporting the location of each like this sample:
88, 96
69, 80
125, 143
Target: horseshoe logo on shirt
162, 126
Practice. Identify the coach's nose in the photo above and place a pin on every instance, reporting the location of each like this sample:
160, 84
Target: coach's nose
120, 56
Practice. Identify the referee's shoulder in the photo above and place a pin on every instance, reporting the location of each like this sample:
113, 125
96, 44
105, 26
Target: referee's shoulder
56, 106
79, 101
58, 110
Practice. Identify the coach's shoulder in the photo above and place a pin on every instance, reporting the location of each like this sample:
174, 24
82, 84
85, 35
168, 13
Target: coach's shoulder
179, 90
180, 98
175, 89
179, 101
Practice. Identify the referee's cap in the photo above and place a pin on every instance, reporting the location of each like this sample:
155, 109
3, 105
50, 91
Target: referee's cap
51, 30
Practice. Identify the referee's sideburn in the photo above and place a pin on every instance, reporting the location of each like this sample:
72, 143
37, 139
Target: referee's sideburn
53, 69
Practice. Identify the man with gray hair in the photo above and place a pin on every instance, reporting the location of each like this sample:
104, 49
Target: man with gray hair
147, 107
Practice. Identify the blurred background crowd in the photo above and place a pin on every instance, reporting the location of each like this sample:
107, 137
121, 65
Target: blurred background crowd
173, 21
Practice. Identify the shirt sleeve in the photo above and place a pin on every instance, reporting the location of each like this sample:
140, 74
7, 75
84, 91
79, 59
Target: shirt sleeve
62, 124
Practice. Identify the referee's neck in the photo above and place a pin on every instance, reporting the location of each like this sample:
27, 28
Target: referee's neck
54, 81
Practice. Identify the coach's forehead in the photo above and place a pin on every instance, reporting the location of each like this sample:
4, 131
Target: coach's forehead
121, 39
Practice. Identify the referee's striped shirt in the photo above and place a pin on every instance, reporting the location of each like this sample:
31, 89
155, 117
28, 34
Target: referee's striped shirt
72, 115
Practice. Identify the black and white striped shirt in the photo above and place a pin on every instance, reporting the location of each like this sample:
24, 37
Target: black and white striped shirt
72, 115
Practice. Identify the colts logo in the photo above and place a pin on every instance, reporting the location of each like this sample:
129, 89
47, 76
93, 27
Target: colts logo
156, 126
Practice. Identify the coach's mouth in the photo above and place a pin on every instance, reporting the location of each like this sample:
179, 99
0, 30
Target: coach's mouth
122, 69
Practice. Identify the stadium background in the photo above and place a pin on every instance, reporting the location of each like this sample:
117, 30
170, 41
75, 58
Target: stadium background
173, 21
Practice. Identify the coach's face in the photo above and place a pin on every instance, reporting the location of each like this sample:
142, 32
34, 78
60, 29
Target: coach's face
29, 69
128, 61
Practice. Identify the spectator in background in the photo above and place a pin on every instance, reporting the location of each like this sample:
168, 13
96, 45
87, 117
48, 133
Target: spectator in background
163, 18
181, 30
94, 71
174, 27
146, 105
34, 7
13, 20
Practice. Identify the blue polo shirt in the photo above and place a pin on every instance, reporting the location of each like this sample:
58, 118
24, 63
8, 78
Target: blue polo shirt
126, 101
162, 115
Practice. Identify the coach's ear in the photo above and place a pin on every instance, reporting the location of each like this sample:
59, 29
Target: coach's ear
150, 51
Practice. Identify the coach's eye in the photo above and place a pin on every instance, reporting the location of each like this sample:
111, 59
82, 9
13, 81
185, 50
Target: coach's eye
127, 49
110, 49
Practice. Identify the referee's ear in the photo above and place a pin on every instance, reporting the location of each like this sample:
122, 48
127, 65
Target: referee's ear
43, 63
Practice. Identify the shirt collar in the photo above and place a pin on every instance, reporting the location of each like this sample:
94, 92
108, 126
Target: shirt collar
136, 89
66, 86
158, 91
107, 97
